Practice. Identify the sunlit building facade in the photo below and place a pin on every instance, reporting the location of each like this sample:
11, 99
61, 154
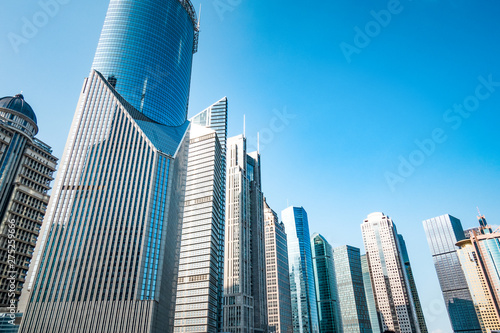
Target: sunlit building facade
391, 287
245, 308
201, 267
302, 285
279, 306
108, 254
326, 285
480, 259
443, 232
350, 288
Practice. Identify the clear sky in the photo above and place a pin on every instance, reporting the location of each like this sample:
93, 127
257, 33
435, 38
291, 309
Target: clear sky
350, 122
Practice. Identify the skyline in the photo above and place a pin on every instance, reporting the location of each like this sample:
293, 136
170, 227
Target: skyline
253, 67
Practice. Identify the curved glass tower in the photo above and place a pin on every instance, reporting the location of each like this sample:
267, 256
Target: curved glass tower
145, 52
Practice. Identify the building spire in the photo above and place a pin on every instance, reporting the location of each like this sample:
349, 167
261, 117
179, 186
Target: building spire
244, 134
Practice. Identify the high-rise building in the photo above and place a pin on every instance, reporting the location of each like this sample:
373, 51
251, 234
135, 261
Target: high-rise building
245, 308
413, 286
26, 168
480, 259
443, 232
326, 285
302, 285
279, 306
201, 266
350, 288
390, 284
108, 255
370, 297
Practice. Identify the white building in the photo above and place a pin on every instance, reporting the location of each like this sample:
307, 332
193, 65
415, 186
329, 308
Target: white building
387, 272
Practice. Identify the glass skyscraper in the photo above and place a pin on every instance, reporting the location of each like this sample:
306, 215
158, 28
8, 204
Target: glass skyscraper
443, 232
391, 287
279, 306
326, 285
201, 266
108, 255
370, 297
145, 52
302, 285
350, 288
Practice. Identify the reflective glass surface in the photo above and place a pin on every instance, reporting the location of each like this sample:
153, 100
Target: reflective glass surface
145, 51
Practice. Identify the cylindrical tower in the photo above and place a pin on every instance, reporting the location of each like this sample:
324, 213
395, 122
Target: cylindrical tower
145, 51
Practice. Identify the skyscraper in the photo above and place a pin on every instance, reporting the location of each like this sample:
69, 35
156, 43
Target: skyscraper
350, 288
302, 286
201, 266
370, 297
326, 285
390, 284
443, 232
480, 258
245, 309
26, 168
413, 286
279, 306
108, 255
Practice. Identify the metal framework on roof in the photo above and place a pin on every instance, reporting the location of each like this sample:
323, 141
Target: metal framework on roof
188, 6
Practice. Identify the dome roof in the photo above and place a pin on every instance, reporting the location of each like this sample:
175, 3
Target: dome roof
17, 103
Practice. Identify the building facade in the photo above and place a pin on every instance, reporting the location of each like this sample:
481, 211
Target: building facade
480, 258
201, 267
245, 308
350, 287
326, 285
370, 297
302, 285
443, 232
26, 168
413, 286
279, 306
109, 249
392, 291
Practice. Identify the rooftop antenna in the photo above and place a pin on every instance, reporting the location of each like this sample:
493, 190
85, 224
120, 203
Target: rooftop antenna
478, 211
244, 126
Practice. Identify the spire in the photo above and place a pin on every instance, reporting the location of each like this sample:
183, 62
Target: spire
244, 134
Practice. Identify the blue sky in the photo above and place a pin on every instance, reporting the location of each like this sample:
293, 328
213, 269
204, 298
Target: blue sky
332, 131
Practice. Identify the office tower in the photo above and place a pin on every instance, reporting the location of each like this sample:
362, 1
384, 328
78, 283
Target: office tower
350, 288
26, 168
480, 256
245, 309
326, 285
413, 286
201, 267
302, 286
370, 297
390, 284
443, 232
108, 256
279, 306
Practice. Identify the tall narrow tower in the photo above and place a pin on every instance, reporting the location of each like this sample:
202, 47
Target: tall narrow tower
391, 287
302, 285
245, 309
108, 255
199, 289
